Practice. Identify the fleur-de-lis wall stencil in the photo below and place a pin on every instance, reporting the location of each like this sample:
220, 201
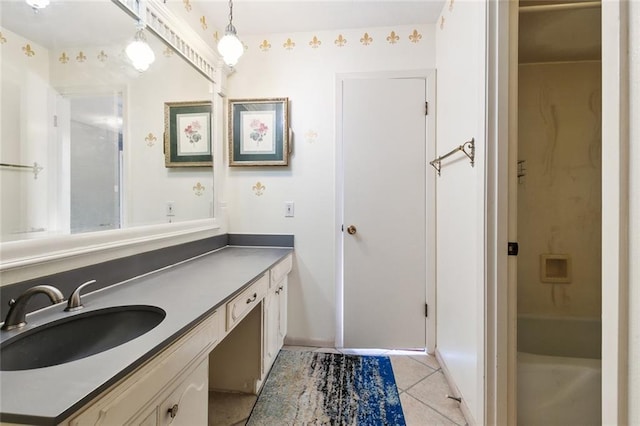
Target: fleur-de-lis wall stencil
415, 36
102, 56
81, 57
393, 38
451, 5
168, 52
340, 41
187, 5
258, 189
442, 22
64, 58
3, 39
315, 43
198, 189
216, 36
265, 45
289, 44
366, 39
28, 50
203, 22
150, 139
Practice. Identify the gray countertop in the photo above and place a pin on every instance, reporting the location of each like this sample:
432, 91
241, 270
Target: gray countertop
187, 292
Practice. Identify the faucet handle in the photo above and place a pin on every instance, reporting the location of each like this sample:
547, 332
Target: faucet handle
74, 302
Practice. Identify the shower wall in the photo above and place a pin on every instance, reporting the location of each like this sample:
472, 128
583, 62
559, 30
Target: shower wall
559, 192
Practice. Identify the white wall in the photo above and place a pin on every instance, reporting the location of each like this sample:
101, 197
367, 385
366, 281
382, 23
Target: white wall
460, 60
307, 76
634, 214
24, 128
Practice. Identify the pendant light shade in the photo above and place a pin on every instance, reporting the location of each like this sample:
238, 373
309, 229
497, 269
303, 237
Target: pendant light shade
38, 4
139, 51
230, 47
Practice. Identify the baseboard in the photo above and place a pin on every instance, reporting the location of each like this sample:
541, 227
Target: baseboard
466, 412
316, 343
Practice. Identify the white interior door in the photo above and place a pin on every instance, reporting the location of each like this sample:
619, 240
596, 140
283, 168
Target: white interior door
384, 205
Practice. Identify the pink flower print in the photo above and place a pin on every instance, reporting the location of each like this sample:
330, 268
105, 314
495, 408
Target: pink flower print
258, 130
192, 132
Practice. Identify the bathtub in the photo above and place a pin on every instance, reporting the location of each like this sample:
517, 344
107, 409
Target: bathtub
559, 371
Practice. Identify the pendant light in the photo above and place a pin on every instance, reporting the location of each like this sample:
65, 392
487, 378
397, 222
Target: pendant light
230, 47
139, 51
38, 4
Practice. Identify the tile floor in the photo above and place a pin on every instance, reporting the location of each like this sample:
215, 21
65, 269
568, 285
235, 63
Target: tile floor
419, 378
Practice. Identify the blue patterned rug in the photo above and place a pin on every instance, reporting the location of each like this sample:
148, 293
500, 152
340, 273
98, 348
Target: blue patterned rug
312, 388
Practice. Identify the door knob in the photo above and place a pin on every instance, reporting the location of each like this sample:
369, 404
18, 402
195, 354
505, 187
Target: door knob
351, 230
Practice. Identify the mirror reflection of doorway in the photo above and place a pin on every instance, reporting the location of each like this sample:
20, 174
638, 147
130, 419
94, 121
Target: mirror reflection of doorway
95, 148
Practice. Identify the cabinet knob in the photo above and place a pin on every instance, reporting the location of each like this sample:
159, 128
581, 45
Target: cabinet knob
173, 411
351, 230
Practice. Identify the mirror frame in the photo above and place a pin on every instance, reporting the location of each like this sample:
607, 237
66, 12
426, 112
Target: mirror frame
27, 259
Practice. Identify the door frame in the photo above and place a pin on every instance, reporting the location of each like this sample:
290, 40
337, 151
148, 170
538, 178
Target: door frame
429, 75
501, 349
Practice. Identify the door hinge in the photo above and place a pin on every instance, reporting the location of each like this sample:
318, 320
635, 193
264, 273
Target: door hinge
426, 108
55, 121
512, 249
426, 310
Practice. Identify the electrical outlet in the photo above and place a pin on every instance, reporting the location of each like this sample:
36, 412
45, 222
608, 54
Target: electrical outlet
288, 209
170, 209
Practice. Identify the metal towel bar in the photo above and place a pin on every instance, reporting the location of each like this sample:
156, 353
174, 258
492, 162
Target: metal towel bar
467, 148
35, 168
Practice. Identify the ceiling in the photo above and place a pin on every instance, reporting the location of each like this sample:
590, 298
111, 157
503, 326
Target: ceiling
560, 35
257, 17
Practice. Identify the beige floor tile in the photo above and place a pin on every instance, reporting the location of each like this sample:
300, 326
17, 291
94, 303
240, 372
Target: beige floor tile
408, 371
427, 359
432, 391
227, 409
418, 414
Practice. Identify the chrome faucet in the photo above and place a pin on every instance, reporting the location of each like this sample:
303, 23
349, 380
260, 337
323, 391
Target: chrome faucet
74, 302
17, 311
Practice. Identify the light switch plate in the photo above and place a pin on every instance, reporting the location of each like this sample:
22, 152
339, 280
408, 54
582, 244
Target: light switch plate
288, 209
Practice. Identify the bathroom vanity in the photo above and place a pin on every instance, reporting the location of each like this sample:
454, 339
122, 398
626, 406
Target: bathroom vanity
225, 323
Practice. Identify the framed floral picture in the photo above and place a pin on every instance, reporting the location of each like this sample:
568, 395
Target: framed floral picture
259, 132
187, 134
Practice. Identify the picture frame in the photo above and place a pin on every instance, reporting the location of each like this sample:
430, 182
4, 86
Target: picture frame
259, 132
188, 134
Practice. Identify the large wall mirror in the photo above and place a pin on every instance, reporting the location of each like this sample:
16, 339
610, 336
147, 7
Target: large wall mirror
82, 145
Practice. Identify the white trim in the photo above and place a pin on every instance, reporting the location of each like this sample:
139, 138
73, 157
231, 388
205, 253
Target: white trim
466, 412
512, 233
497, 213
339, 170
615, 209
19, 256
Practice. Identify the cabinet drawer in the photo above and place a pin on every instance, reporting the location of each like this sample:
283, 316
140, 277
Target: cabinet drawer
281, 269
245, 301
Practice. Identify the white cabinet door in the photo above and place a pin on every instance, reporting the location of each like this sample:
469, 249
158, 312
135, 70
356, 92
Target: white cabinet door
282, 308
275, 322
271, 318
188, 403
